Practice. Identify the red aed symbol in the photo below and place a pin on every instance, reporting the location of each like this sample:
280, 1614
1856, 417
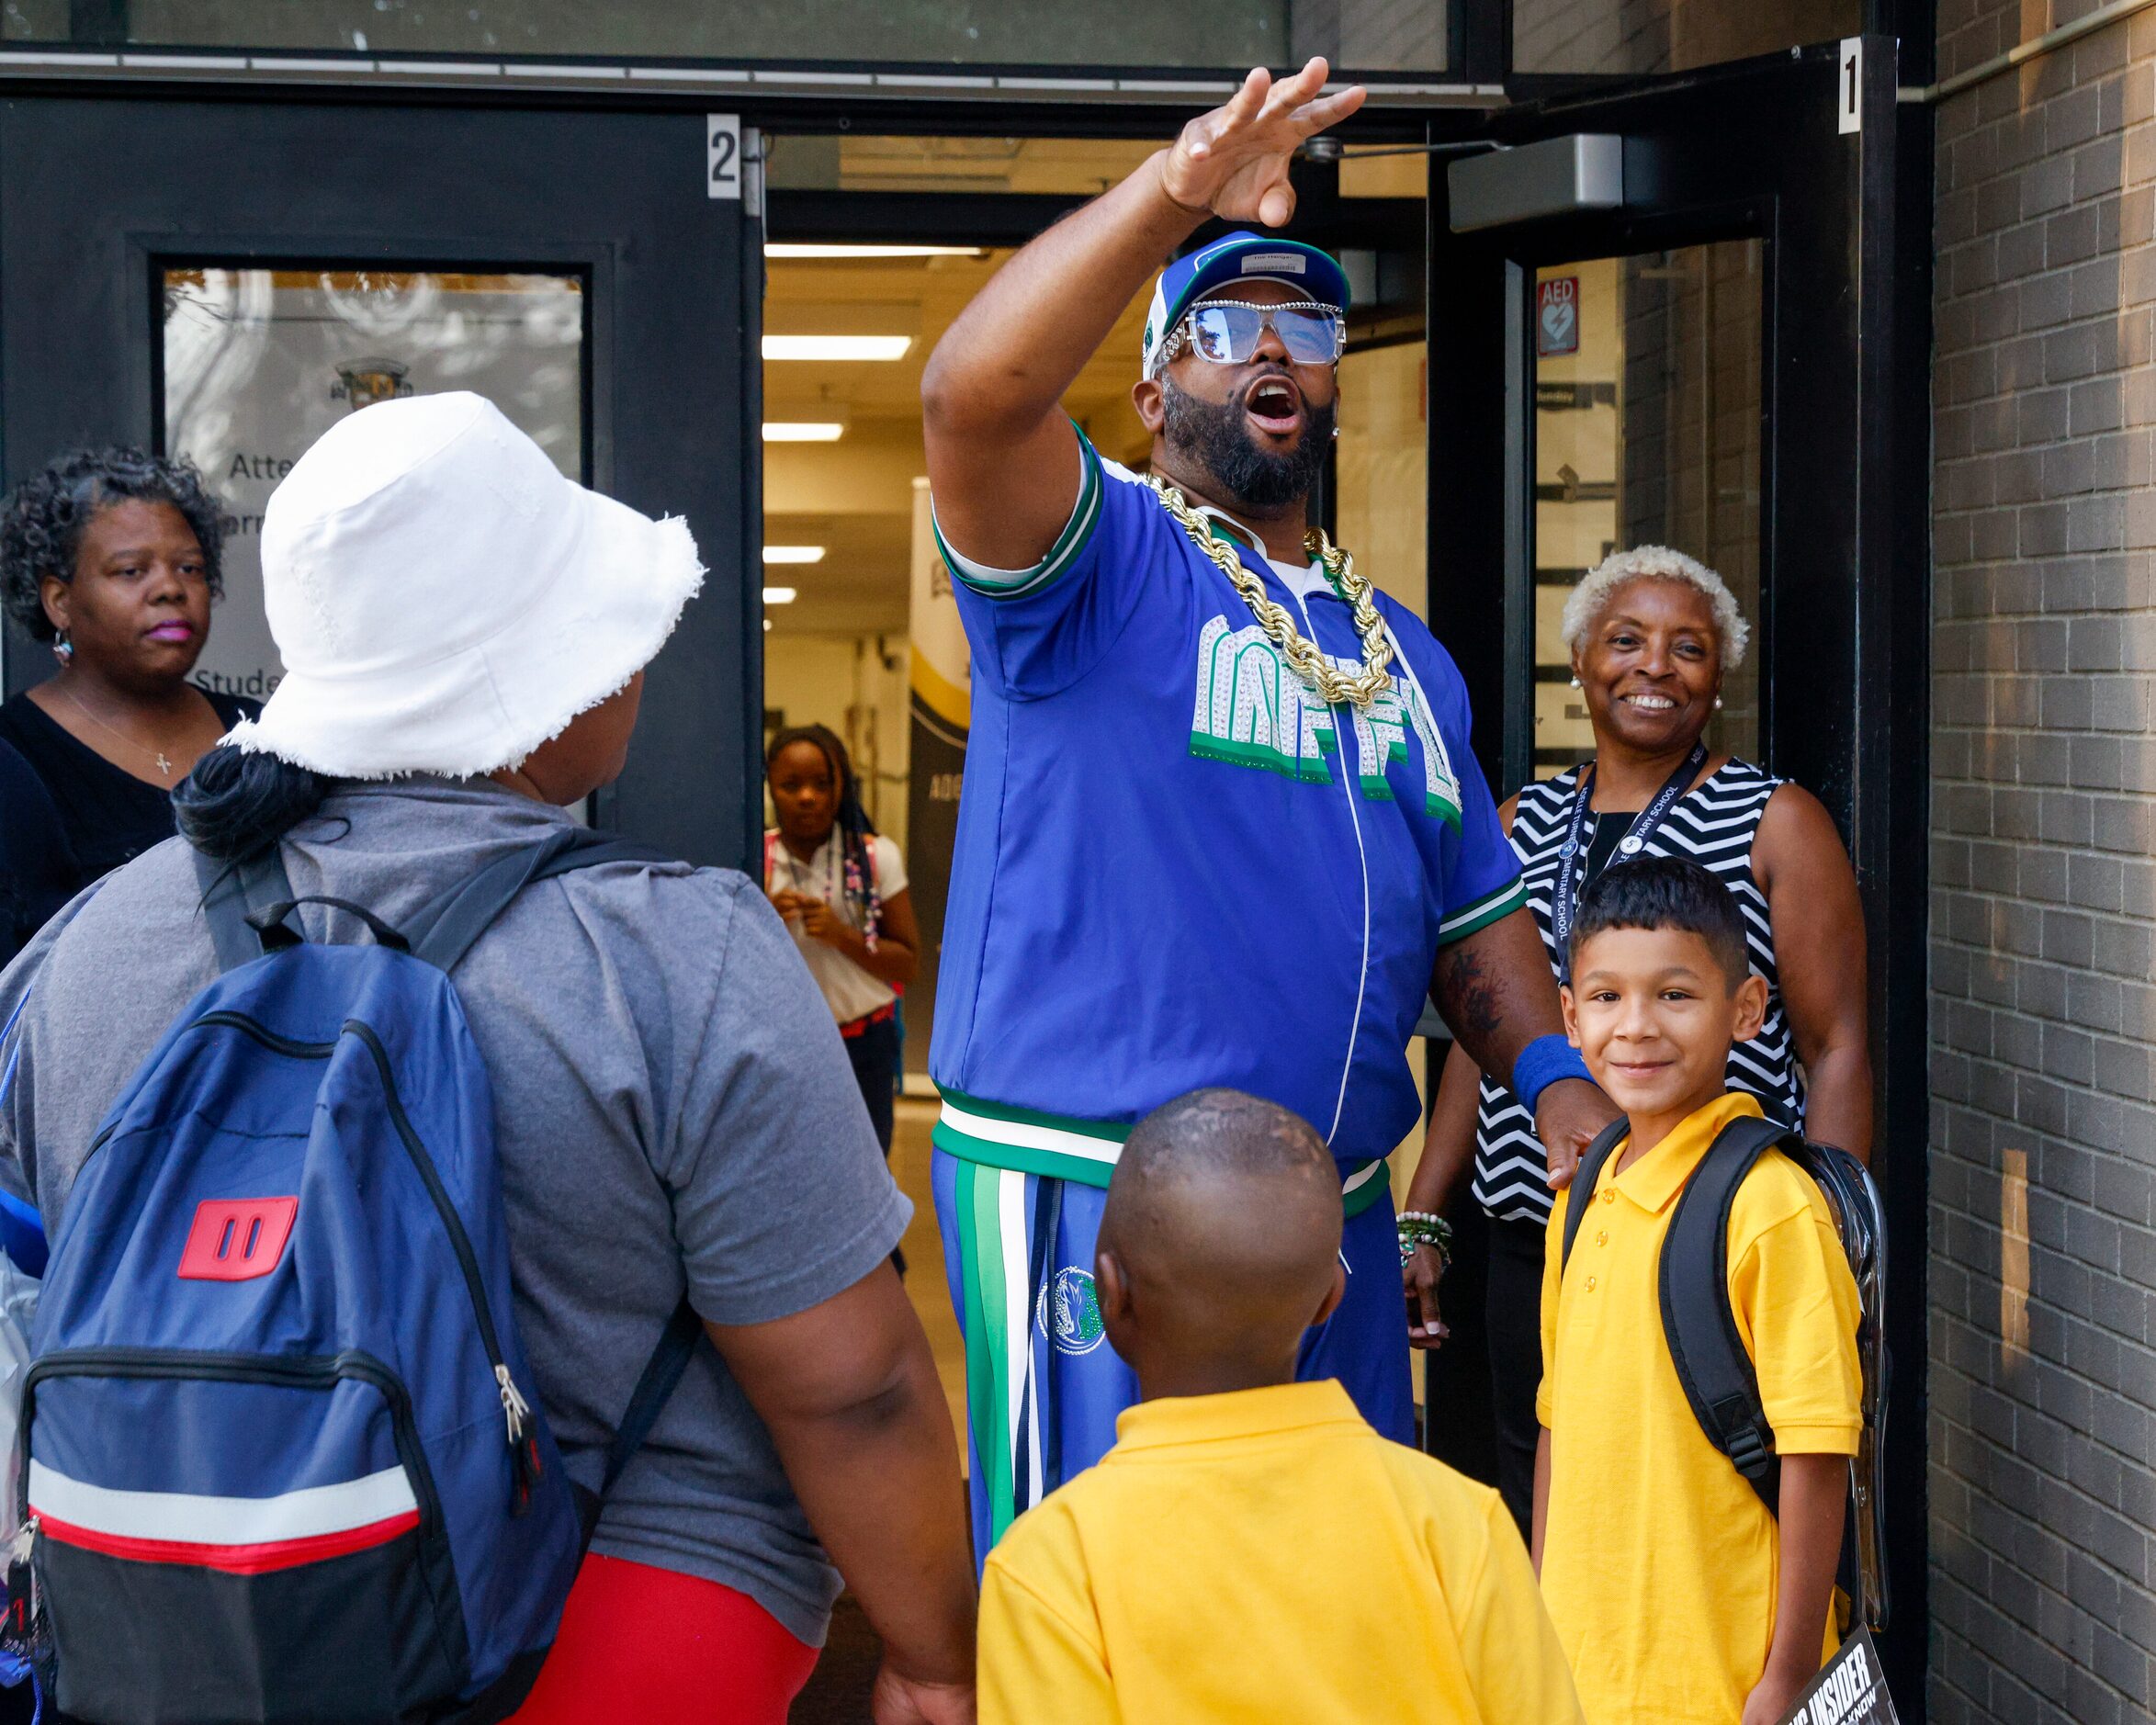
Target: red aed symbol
237, 1239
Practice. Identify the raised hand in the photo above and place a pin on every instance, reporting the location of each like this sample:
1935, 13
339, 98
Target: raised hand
1233, 161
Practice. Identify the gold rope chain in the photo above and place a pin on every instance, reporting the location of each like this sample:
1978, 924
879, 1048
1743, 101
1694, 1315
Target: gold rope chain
1325, 679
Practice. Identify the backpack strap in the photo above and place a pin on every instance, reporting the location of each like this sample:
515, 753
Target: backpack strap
239, 899
1705, 1345
1852, 1197
661, 1375
443, 932
1583, 1179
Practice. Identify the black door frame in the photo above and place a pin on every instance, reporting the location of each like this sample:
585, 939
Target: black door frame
105, 185
1869, 624
701, 724
1751, 150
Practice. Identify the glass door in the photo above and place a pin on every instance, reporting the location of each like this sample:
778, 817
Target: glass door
253, 364
1713, 353
582, 268
1647, 431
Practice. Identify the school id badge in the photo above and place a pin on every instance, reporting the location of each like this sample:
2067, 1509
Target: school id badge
1851, 1690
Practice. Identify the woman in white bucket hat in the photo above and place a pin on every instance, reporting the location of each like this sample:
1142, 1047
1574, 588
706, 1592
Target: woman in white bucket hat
465, 633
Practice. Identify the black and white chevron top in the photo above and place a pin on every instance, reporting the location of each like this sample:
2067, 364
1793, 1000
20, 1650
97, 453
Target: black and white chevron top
1713, 825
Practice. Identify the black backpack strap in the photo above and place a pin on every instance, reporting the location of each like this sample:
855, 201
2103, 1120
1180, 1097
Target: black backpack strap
660, 1376
443, 932
501, 1698
246, 903
1719, 1378
1852, 1197
1584, 1177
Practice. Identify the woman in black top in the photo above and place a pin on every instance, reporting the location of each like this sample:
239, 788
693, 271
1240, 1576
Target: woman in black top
111, 557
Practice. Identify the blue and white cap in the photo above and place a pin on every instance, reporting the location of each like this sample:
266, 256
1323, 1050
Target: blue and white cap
1239, 256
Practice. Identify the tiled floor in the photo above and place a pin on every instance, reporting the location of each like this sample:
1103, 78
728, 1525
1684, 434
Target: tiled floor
924, 1253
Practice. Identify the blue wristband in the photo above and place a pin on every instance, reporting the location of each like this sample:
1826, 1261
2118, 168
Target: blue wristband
1540, 1064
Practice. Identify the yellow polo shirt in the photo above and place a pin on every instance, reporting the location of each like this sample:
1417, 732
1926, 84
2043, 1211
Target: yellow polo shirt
1265, 1556
1659, 1562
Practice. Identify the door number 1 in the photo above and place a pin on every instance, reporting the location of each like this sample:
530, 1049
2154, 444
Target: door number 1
1848, 86
722, 156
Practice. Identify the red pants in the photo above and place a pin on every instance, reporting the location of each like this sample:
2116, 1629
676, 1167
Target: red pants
649, 1646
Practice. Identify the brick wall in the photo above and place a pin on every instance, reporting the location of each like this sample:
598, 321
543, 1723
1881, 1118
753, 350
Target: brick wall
2042, 1368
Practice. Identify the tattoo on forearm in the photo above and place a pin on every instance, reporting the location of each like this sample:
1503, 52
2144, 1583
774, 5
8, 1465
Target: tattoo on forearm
1466, 996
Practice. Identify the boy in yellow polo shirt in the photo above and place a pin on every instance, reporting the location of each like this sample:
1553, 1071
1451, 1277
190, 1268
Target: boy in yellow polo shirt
1679, 1599
1250, 1550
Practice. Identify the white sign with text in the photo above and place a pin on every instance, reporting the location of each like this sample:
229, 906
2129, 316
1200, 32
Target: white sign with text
259, 363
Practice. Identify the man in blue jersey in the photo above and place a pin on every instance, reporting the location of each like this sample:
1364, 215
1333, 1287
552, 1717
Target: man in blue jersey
1221, 822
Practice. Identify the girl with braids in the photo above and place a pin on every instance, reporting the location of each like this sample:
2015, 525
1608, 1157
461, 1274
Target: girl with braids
841, 887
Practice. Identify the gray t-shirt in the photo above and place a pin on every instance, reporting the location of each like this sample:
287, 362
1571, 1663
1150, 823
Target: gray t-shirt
673, 1111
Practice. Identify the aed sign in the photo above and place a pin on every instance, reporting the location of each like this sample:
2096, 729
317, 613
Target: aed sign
1557, 316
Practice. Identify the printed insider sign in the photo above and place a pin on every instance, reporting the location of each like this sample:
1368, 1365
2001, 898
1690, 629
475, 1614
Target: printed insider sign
1852, 1690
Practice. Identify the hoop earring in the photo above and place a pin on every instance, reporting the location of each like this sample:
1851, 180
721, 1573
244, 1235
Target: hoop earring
63, 649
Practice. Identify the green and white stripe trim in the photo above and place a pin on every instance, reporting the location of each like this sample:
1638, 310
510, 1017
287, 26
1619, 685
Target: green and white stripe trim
1363, 1186
1076, 531
1064, 1147
999, 1311
1481, 912
1033, 1143
1003, 1399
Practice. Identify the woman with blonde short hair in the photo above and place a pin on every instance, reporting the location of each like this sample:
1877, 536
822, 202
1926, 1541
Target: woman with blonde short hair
1651, 633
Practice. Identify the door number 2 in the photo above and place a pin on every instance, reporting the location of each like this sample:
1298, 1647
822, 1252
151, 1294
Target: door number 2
722, 156
1848, 86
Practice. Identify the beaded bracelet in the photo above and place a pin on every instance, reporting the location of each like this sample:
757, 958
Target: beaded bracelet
1419, 1227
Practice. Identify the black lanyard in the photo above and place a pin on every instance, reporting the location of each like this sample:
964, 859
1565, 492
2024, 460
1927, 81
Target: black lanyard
1572, 858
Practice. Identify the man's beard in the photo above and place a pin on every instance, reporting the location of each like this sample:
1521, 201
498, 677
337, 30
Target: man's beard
1216, 437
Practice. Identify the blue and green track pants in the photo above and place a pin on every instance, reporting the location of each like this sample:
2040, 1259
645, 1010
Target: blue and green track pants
1043, 1387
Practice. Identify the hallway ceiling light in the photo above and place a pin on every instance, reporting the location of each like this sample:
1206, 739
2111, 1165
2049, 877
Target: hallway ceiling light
795, 253
803, 430
779, 595
793, 554
836, 347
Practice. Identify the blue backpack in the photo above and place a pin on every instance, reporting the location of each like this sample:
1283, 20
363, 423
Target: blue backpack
285, 1458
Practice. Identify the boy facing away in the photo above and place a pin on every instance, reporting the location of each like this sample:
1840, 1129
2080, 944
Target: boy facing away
1677, 1597
1250, 1549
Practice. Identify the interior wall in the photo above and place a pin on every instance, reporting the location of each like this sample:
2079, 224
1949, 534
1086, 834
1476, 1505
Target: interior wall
856, 684
1381, 514
1382, 467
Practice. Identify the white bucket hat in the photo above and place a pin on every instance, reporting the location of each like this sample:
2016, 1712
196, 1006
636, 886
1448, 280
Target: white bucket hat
444, 601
